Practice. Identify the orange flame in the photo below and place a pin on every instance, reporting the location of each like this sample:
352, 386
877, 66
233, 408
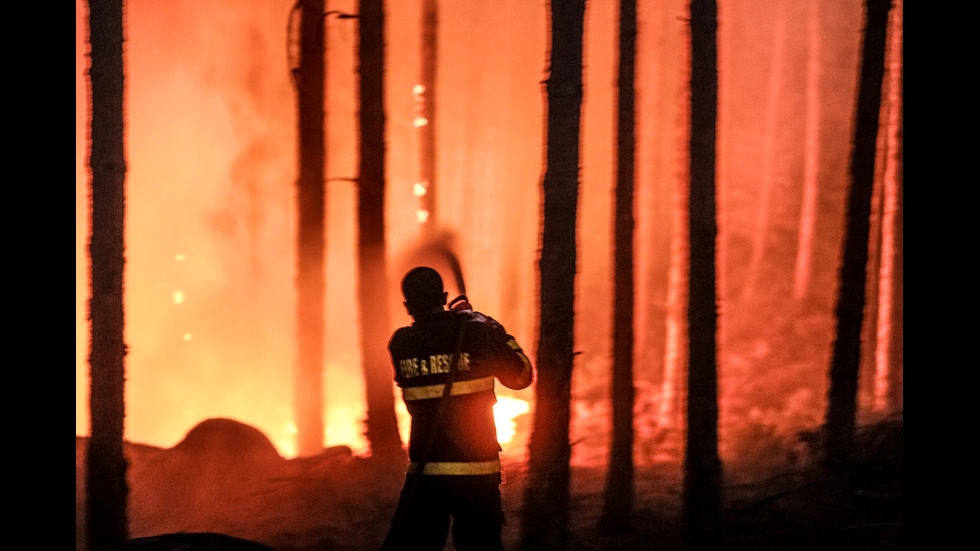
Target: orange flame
504, 412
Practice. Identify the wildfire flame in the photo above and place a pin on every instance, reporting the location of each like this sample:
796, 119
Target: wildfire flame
504, 412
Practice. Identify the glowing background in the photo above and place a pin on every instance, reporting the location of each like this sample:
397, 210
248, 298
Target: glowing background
211, 153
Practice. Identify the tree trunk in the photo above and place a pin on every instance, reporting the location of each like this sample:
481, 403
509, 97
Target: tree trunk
618, 503
311, 253
839, 429
672, 383
661, 44
427, 116
546, 498
888, 331
811, 159
106, 487
382, 425
768, 164
673, 192
896, 361
702, 466
867, 365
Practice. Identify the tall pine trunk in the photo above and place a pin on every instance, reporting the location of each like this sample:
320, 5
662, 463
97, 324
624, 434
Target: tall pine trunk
427, 129
896, 360
618, 502
311, 253
838, 448
888, 363
544, 524
106, 488
382, 425
702, 466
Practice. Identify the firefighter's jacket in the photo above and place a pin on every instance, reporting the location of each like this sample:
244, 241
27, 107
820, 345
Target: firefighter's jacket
465, 440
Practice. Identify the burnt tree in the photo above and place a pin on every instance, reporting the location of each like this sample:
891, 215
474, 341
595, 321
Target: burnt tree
618, 499
106, 488
382, 425
838, 435
311, 253
702, 466
546, 498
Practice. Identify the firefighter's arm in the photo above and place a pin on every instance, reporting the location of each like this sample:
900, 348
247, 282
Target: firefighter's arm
512, 366
516, 376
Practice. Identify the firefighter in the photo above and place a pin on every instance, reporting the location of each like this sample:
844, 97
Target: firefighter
446, 363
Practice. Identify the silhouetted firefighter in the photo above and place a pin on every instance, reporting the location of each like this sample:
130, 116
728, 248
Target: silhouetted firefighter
446, 363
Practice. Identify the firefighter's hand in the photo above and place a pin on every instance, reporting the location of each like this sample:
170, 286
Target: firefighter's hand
461, 305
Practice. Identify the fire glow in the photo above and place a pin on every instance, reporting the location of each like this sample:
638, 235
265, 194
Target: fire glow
343, 427
504, 412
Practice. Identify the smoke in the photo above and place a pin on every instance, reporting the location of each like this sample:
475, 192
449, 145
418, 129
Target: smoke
210, 148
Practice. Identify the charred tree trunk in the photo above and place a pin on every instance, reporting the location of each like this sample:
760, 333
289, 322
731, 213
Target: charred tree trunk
106, 488
382, 425
838, 449
618, 503
427, 130
702, 466
311, 253
546, 498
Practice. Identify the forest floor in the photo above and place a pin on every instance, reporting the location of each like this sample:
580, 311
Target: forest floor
226, 479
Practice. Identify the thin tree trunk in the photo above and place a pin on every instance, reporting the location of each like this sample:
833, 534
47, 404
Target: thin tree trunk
867, 366
702, 466
618, 503
427, 119
382, 425
655, 200
670, 415
106, 488
771, 139
546, 499
311, 253
811, 159
671, 385
886, 364
896, 372
839, 429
